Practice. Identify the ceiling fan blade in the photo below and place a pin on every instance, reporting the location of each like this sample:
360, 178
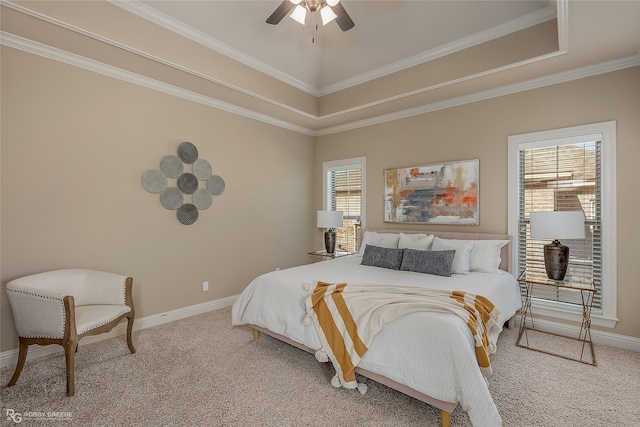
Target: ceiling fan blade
282, 11
344, 20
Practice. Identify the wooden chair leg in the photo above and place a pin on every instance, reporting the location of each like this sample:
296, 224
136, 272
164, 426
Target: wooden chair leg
22, 357
132, 349
70, 354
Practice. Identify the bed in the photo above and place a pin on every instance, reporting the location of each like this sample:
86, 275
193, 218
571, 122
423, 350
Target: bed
442, 375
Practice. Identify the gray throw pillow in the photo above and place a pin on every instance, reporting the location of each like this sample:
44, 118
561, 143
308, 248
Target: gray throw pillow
382, 257
430, 262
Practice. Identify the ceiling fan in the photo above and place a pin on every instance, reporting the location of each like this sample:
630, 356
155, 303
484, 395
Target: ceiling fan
329, 10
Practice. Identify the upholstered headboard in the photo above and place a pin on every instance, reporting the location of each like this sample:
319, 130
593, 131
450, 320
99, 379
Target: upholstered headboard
505, 254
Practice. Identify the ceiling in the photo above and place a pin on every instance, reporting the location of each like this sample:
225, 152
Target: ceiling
387, 34
402, 58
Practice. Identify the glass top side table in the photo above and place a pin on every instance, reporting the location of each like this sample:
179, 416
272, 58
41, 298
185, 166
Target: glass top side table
325, 256
587, 291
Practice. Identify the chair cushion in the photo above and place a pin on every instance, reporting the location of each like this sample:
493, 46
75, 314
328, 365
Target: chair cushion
92, 316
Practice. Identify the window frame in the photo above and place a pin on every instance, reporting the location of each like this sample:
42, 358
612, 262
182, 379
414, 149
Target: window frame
606, 316
352, 163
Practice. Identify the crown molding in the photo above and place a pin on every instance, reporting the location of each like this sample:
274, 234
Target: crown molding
475, 39
138, 8
30, 46
127, 48
562, 13
159, 18
442, 85
49, 52
552, 79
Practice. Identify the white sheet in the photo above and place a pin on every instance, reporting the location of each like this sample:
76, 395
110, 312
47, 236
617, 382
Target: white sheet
404, 350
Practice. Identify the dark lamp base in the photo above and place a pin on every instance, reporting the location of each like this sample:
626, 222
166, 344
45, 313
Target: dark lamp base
556, 260
330, 241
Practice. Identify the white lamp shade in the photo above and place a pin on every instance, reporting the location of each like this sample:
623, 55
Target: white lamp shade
557, 225
329, 219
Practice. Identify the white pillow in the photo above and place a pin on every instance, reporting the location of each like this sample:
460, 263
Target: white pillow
485, 255
383, 240
463, 249
421, 242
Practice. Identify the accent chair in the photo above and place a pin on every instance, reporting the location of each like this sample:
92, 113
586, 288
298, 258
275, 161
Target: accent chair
63, 306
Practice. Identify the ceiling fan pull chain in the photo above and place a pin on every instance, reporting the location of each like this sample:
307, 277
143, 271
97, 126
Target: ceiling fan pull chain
315, 26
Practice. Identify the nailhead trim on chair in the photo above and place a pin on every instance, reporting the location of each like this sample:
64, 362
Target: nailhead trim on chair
124, 291
64, 319
34, 295
124, 298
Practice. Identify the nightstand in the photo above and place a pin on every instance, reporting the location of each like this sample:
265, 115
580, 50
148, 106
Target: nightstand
323, 255
587, 292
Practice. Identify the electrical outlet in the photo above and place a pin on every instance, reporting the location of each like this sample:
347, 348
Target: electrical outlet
205, 286
277, 268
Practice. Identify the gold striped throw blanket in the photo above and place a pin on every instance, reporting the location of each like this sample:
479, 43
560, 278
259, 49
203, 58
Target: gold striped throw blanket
347, 316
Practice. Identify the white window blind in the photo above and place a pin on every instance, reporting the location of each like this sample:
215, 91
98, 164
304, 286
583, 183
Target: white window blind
563, 177
344, 193
568, 169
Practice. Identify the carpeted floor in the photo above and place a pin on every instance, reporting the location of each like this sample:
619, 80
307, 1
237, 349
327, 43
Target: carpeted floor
202, 372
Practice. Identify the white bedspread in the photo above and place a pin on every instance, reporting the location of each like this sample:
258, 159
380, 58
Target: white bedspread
404, 350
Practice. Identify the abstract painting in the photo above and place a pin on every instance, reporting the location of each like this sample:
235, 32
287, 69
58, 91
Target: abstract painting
445, 193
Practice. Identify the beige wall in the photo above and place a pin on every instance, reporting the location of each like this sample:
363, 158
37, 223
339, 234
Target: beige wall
480, 130
74, 147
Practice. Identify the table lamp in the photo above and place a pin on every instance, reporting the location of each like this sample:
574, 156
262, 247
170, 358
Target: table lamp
557, 225
330, 220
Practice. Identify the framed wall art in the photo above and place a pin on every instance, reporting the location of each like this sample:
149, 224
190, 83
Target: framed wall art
443, 193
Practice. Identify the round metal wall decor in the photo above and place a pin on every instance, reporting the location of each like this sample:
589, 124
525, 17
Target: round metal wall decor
202, 169
171, 166
216, 185
187, 152
187, 214
171, 198
187, 183
202, 199
154, 181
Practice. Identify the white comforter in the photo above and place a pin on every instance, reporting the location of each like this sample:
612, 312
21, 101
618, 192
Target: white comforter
432, 353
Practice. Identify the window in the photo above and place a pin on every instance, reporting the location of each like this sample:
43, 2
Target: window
567, 170
344, 191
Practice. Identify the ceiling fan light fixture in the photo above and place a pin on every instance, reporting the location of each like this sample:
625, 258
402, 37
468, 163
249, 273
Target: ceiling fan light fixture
330, 10
299, 14
327, 15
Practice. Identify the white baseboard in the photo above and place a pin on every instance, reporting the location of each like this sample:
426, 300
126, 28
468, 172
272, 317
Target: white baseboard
10, 357
599, 337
